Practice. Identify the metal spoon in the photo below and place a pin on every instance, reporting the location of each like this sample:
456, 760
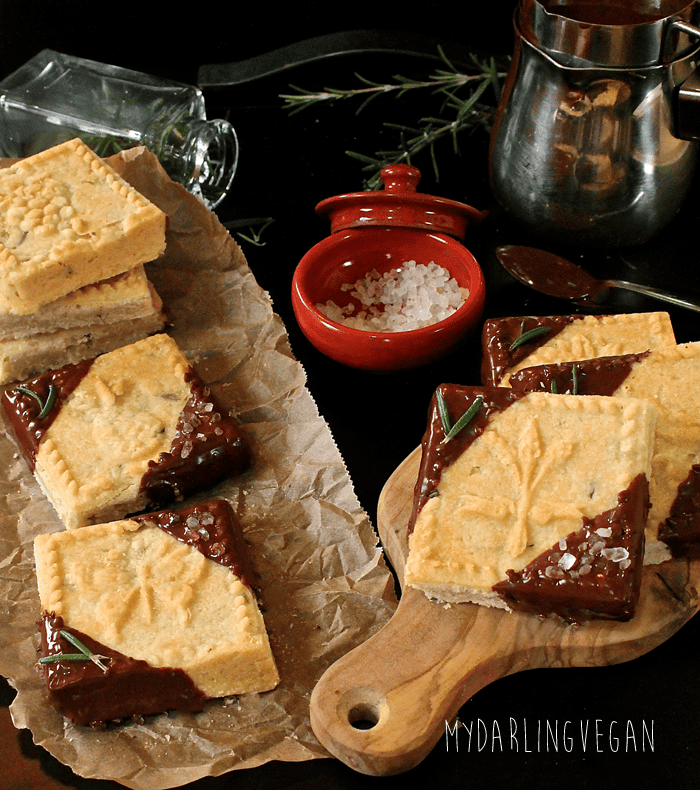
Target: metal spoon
555, 276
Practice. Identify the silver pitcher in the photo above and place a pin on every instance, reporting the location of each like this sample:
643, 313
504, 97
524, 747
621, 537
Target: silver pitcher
594, 138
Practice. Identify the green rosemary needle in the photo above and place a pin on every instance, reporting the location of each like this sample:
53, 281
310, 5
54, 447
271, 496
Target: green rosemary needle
64, 657
442, 411
74, 641
45, 406
452, 430
465, 419
574, 380
525, 337
84, 655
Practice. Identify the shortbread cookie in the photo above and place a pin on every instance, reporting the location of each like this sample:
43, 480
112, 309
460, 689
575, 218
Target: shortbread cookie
509, 344
125, 297
131, 429
670, 378
67, 219
531, 505
35, 354
166, 603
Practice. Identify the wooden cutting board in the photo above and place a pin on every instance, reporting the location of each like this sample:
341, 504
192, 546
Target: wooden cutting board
382, 707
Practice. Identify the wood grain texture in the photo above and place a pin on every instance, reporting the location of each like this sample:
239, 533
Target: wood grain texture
382, 707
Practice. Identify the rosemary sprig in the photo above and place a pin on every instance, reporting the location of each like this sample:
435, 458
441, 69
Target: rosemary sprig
526, 337
440, 81
83, 655
254, 236
452, 430
45, 406
464, 114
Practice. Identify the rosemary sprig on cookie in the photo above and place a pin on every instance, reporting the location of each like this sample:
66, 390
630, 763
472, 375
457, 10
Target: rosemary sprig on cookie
45, 406
526, 337
83, 655
452, 430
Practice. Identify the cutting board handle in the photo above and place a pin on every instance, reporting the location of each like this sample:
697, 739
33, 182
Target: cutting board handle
382, 707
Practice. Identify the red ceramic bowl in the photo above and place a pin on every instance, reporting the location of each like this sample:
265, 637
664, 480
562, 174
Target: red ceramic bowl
347, 256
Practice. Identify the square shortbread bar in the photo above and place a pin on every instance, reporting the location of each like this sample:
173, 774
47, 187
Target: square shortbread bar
132, 429
530, 505
670, 379
88, 322
126, 296
165, 600
509, 344
67, 219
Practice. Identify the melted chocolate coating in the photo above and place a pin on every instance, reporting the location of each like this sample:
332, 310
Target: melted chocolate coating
597, 573
602, 376
438, 455
86, 694
22, 410
207, 447
499, 334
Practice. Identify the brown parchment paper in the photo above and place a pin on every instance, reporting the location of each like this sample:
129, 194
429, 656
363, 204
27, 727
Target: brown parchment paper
326, 587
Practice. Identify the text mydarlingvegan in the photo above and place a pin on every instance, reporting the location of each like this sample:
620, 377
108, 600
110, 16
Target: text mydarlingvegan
543, 735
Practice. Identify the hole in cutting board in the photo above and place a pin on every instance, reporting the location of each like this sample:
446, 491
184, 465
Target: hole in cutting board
363, 717
362, 708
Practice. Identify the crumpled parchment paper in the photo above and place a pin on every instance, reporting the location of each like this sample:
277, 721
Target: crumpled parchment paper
325, 585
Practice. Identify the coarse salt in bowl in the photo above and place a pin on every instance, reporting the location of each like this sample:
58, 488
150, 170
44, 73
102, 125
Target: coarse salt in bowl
409, 296
387, 298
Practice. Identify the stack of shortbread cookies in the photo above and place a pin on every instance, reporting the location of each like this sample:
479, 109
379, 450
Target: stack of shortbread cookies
74, 238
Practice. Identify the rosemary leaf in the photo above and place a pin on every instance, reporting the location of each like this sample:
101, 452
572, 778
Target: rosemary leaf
442, 411
50, 400
74, 641
464, 420
574, 380
64, 657
44, 406
527, 336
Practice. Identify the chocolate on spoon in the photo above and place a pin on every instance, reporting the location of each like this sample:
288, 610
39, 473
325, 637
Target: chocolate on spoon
555, 276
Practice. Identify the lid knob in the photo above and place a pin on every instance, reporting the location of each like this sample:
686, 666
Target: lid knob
400, 178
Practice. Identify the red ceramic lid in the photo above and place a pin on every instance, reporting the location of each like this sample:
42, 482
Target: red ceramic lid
399, 205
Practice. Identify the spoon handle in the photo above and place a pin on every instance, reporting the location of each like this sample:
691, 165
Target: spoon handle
654, 292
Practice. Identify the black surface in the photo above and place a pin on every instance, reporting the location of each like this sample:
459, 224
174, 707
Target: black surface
289, 163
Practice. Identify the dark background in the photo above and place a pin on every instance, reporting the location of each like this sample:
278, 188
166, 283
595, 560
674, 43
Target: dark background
289, 163
174, 39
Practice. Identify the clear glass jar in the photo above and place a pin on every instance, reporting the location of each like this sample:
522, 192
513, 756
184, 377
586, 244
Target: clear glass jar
55, 97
